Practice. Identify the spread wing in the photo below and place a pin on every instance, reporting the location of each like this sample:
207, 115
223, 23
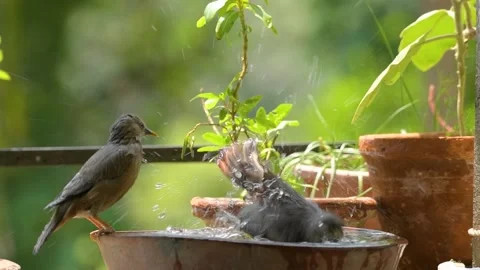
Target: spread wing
109, 162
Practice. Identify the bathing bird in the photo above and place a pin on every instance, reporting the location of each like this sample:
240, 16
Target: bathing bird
276, 211
103, 180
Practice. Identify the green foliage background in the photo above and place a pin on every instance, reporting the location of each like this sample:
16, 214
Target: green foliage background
77, 65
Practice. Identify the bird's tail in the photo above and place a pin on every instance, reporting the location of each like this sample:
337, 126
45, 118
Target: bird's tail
240, 163
55, 223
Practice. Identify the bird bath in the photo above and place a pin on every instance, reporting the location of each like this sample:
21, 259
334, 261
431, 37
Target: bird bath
220, 248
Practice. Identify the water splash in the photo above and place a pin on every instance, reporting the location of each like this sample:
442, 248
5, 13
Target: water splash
352, 237
162, 214
160, 185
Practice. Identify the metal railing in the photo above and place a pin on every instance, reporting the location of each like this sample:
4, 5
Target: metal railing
76, 155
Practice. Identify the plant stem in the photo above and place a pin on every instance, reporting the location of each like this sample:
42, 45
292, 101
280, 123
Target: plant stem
243, 24
243, 71
209, 116
202, 124
390, 51
468, 17
460, 57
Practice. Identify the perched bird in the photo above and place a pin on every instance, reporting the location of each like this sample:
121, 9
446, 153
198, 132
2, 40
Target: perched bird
277, 211
103, 179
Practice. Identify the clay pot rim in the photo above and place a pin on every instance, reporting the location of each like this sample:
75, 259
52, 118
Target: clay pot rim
146, 234
366, 203
414, 135
339, 172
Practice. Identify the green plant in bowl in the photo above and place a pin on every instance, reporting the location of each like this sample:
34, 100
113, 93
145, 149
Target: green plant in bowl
230, 117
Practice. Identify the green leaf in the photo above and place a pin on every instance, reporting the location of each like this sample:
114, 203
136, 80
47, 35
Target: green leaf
222, 114
210, 148
262, 15
215, 138
279, 113
473, 14
290, 123
283, 125
204, 95
225, 23
212, 9
211, 102
1, 56
255, 127
435, 23
201, 22
4, 75
248, 105
261, 118
390, 75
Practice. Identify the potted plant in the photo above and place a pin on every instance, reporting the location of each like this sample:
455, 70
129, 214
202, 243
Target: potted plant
423, 182
203, 249
334, 173
231, 120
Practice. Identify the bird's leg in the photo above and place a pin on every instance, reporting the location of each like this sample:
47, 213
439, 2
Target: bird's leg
103, 227
95, 222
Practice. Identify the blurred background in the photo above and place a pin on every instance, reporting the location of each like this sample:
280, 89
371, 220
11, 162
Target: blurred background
77, 65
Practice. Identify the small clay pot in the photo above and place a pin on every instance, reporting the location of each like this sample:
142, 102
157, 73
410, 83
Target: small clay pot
354, 210
424, 188
345, 184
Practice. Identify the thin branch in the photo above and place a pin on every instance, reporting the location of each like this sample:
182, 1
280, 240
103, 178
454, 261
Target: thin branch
244, 60
468, 18
460, 57
243, 72
202, 124
209, 116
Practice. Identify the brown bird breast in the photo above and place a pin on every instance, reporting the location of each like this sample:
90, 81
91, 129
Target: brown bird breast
107, 192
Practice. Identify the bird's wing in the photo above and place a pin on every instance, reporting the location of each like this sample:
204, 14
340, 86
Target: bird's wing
109, 162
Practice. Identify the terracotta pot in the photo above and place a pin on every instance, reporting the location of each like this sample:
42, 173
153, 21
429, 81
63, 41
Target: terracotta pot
144, 250
424, 188
344, 185
353, 210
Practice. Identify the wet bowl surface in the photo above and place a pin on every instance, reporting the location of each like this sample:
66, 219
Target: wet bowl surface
217, 248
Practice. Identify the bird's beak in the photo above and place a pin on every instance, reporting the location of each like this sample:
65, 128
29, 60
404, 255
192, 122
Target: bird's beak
150, 132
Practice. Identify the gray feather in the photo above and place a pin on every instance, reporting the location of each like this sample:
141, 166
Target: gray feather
109, 162
51, 226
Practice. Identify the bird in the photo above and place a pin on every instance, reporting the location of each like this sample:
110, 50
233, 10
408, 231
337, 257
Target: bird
102, 181
276, 211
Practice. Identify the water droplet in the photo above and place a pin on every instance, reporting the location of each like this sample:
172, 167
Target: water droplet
162, 215
155, 208
160, 185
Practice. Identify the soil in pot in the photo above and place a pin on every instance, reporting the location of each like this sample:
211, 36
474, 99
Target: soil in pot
424, 189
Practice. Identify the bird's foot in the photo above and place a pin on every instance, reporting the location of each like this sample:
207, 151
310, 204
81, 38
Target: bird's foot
95, 235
